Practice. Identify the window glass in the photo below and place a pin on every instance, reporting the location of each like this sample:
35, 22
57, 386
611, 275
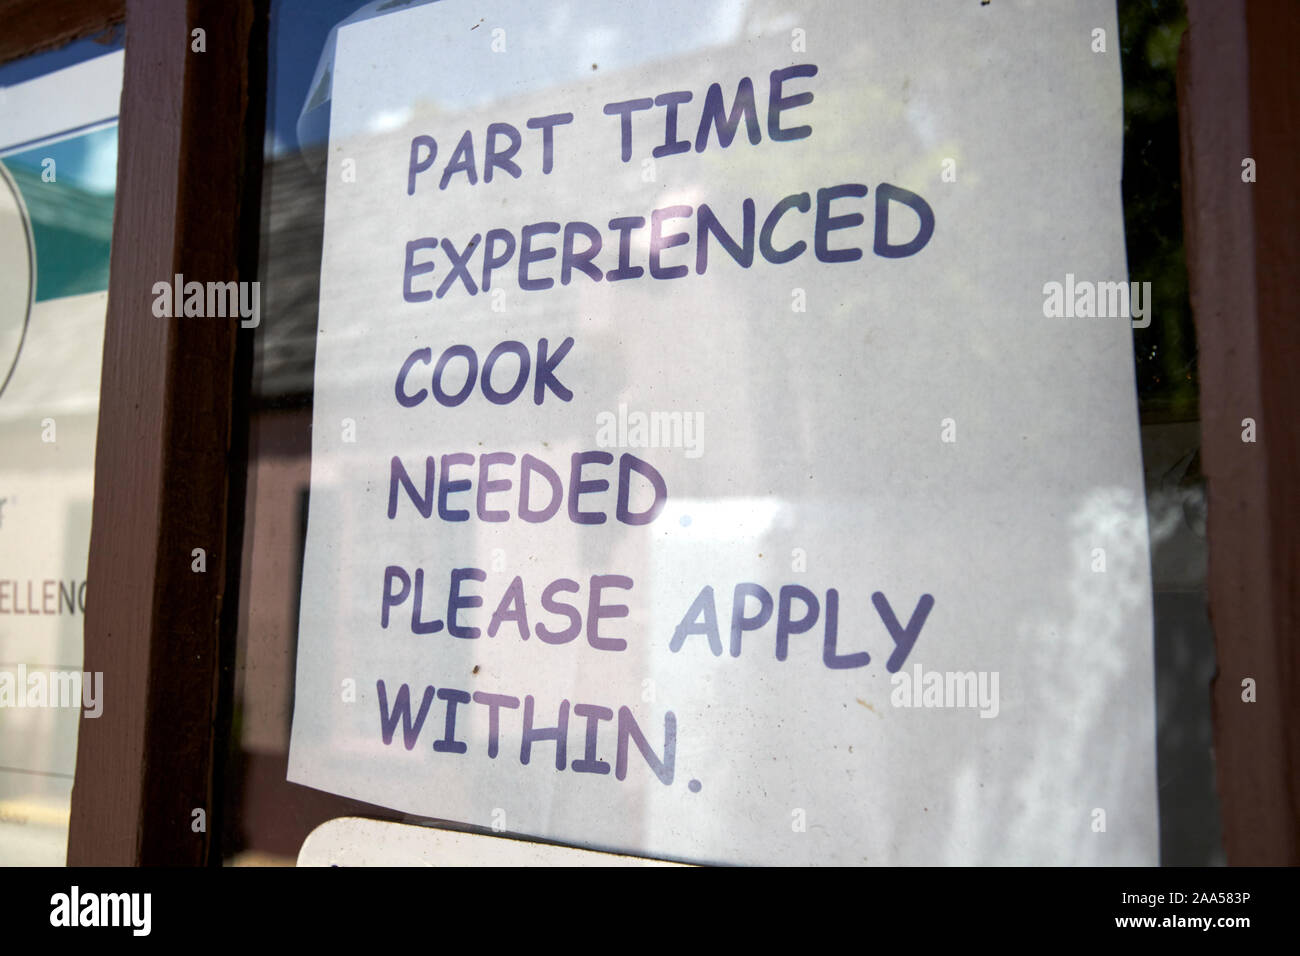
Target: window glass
270, 817
58, 171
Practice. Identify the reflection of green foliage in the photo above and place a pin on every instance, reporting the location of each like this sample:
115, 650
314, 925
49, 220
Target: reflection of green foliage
1150, 33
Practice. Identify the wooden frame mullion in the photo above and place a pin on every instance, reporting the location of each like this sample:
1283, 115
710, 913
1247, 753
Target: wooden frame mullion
1239, 98
146, 770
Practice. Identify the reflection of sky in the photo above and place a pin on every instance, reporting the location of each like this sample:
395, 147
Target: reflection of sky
300, 29
614, 35
96, 168
298, 32
30, 67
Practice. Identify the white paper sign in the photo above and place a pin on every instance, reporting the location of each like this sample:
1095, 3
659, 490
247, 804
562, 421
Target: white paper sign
703, 464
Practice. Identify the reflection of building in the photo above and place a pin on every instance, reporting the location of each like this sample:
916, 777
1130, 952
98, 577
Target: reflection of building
271, 815
293, 223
